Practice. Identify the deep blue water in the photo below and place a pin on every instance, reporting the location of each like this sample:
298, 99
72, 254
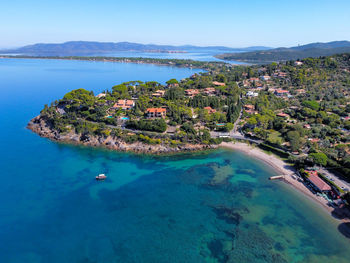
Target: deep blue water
150, 209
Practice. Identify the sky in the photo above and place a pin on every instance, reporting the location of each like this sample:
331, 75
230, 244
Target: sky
231, 23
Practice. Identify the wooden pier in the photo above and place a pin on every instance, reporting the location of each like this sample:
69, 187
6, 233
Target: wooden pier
276, 177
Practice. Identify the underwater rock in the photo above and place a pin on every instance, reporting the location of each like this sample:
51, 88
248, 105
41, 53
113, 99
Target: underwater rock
231, 215
253, 245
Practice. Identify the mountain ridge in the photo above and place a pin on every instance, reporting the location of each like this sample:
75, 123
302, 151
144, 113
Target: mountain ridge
316, 49
84, 47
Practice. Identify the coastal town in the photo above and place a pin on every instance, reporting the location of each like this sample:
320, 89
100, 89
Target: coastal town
297, 110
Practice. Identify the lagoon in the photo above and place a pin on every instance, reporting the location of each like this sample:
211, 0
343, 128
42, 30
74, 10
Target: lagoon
150, 209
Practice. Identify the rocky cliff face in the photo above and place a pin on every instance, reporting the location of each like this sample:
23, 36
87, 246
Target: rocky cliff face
43, 128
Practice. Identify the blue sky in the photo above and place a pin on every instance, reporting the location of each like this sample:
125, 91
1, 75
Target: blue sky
231, 23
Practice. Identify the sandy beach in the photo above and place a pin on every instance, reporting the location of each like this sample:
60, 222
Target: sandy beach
282, 168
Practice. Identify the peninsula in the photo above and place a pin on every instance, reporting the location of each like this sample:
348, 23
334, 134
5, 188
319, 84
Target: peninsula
186, 63
292, 53
299, 110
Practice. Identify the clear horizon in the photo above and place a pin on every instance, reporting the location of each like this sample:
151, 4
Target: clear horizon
201, 23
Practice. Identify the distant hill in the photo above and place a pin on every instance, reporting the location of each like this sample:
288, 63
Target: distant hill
88, 47
293, 53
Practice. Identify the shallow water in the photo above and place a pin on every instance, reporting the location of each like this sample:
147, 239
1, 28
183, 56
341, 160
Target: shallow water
217, 206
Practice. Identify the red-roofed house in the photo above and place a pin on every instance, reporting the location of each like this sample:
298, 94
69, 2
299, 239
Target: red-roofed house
159, 93
191, 92
249, 107
156, 113
216, 83
283, 115
210, 110
314, 140
281, 92
317, 182
210, 91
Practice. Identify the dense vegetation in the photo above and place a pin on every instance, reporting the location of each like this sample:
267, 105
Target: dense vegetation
293, 53
299, 108
187, 118
312, 119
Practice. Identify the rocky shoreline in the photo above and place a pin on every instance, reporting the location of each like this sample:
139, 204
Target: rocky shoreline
43, 128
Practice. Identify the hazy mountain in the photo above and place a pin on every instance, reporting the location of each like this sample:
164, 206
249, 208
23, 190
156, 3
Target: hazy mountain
88, 47
293, 53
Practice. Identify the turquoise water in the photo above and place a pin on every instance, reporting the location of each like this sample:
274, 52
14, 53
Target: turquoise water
206, 207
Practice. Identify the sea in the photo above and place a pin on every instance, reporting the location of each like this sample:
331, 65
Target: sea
194, 54
215, 206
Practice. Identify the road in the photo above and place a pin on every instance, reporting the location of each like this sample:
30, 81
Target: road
338, 181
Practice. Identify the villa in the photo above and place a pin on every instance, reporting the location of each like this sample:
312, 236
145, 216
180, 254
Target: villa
158, 93
282, 114
124, 104
191, 92
216, 83
252, 94
210, 91
156, 112
265, 78
281, 93
210, 110
101, 95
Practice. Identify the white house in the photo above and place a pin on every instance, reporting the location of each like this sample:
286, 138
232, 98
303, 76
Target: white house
252, 94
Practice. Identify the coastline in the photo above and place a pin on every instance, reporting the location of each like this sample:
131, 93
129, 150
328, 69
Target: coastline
43, 128
282, 168
180, 63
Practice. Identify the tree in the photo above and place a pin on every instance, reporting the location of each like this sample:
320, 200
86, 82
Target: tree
228, 127
120, 91
172, 82
174, 94
294, 139
319, 158
80, 96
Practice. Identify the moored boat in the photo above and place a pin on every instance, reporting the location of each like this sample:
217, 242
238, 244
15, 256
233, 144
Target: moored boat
101, 177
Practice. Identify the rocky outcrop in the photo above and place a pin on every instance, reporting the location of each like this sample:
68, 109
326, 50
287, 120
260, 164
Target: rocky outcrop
43, 127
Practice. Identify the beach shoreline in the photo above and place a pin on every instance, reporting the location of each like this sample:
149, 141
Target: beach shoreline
282, 168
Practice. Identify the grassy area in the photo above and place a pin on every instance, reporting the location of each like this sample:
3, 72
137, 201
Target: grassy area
275, 137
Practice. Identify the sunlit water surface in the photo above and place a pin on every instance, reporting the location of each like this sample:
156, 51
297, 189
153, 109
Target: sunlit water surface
217, 206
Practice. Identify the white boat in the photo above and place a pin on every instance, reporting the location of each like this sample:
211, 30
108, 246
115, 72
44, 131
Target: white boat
101, 177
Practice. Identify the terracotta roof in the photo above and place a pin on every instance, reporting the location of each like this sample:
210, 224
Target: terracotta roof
156, 110
282, 114
218, 83
210, 110
192, 92
249, 106
319, 183
281, 91
209, 90
124, 104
